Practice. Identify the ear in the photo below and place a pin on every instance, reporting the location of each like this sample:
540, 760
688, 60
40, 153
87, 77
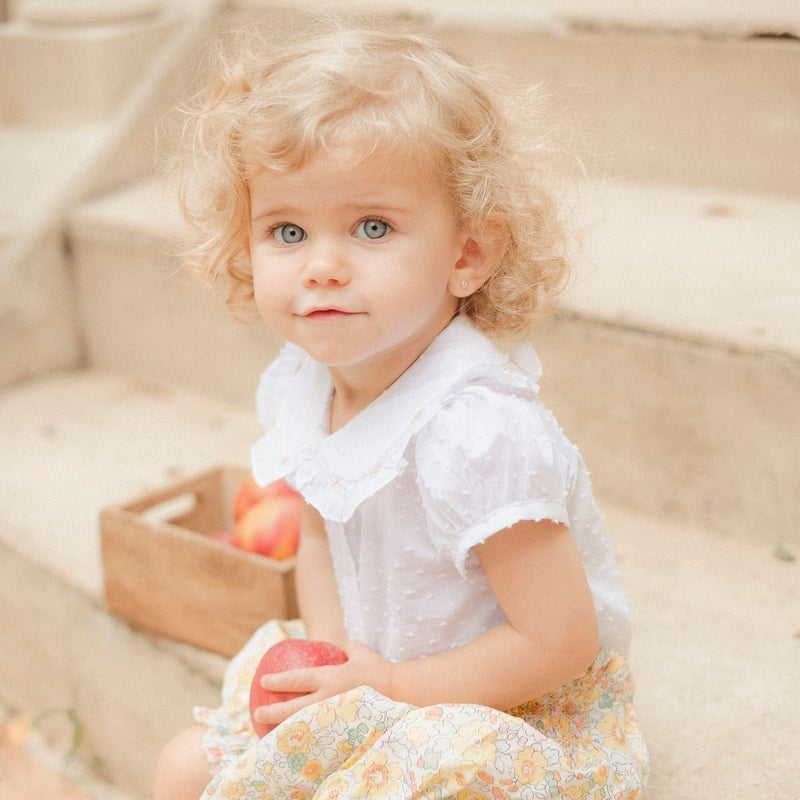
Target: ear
481, 254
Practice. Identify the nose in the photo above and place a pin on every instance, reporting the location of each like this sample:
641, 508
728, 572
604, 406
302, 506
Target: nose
326, 263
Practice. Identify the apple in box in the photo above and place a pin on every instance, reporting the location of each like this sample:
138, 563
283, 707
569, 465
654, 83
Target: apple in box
249, 493
267, 518
285, 655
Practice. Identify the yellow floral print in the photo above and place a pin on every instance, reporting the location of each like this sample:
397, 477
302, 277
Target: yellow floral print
418, 736
376, 776
611, 727
312, 770
474, 742
295, 737
233, 790
530, 766
343, 706
580, 742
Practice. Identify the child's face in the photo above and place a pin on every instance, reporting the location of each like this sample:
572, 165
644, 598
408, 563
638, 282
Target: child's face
354, 261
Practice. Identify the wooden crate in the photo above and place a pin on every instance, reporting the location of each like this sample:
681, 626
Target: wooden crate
163, 571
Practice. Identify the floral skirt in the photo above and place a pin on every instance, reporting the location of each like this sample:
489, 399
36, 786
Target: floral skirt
581, 741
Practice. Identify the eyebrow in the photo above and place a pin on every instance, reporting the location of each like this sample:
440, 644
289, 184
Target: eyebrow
379, 206
273, 212
365, 207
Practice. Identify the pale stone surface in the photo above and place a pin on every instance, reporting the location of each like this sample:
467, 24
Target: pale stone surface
74, 444
38, 331
674, 428
24, 776
47, 167
678, 373
55, 74
39, 164
643, 106
718, 16
62, 651
679, 379
88, 12
144, 316
716, 656
37, 762
697, 265
37, 316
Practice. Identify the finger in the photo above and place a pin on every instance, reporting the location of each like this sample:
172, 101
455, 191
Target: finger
295, 680
275, 713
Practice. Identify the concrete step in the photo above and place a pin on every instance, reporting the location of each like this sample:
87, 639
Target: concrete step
85, 440
102, 140
129, 691
72, 445
34, 767
677, 371
717, 633
729, 17
688, 352
60, 70
141, 315
683, 107
696, 94
676, 366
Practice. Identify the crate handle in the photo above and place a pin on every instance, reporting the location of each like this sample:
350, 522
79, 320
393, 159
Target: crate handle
171, 508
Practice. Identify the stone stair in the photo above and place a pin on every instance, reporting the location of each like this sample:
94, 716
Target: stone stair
715, 615
676, 367
690, 354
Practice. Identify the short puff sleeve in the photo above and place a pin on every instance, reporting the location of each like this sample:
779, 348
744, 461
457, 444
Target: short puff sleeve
486, 461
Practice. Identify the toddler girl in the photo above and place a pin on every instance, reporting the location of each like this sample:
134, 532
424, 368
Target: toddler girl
366, 192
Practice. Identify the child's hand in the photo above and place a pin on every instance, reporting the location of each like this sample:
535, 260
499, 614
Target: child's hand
364, 667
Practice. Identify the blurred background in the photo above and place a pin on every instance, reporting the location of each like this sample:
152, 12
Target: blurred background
674, 363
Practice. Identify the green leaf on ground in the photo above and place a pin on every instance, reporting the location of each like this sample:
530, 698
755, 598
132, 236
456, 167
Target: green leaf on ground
782, 553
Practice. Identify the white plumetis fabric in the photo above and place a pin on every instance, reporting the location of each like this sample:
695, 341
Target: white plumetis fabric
458, 448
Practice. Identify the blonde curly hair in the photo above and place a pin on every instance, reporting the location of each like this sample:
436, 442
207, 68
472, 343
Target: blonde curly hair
277, 107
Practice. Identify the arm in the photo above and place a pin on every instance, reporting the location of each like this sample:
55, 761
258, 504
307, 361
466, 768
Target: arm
317, 592
549, 638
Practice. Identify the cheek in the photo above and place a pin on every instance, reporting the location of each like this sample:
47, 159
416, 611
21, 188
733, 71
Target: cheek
274, 292
264, 291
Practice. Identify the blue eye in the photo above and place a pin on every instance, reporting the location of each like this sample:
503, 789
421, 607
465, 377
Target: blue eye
289, 234
372, 229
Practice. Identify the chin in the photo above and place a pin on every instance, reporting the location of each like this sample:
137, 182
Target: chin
335, 354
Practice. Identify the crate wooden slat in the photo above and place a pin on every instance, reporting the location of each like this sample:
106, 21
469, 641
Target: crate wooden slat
170, 577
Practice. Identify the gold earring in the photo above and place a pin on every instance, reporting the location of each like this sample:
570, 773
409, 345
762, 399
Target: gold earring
464, 284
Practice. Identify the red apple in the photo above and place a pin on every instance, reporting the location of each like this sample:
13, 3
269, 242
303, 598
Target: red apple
285, 655
271, 527
249, 493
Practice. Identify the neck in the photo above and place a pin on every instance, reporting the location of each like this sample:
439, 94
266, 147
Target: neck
344, 406
356, 386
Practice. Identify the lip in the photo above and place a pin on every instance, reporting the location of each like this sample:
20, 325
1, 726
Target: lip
328, 313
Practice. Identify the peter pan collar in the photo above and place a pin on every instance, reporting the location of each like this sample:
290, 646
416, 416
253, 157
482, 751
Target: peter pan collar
337, 472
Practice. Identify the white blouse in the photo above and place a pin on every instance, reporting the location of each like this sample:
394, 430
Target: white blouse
459, 447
